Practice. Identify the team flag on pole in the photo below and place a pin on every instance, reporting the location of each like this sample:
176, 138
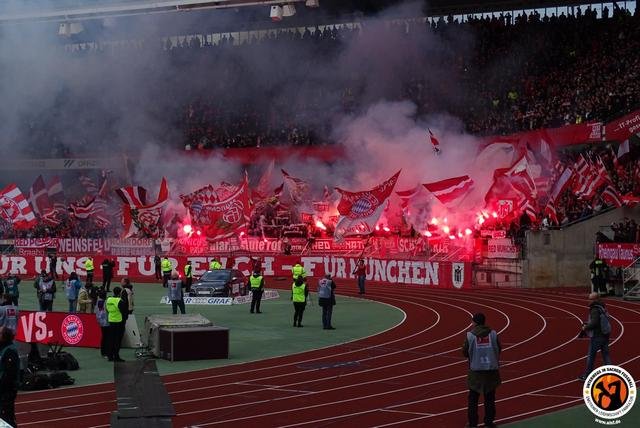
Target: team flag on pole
360, 211
15, 209
434, 142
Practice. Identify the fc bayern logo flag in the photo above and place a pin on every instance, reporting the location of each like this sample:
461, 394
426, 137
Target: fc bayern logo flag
361, 210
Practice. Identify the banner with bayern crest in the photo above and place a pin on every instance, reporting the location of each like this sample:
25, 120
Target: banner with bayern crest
360, 211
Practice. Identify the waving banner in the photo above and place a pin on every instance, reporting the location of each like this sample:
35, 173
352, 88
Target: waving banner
361, 210
137, 215
220, 219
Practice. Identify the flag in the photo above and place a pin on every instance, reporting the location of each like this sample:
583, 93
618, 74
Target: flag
630, 199
406, 195
623, 149
561, 184
56, 194
89, 185
550, 211
137, 215
41, 203
359, 211
15, 209
527, 207
611, 196
296, 187
219, 219
451, 190
434, 142
224, 190
263, 183
521, 177
38, 196
545, 151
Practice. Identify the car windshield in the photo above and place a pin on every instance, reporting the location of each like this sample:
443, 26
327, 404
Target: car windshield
216, 275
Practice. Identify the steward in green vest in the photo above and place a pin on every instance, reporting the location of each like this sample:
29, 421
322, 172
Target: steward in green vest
188, 276
299, 293
256, 284
117, 313
88, 266
166, 267
215, 264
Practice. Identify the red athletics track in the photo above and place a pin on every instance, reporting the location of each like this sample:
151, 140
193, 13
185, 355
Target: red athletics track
411, 375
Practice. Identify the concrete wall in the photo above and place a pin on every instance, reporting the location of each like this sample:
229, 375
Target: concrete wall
560, 258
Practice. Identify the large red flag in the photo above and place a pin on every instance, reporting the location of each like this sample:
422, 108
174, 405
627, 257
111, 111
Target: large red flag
15, 209
450, 190
361, 210
137, 215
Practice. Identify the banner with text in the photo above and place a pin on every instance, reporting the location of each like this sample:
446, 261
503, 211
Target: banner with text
59, 328
392, 270
618, 255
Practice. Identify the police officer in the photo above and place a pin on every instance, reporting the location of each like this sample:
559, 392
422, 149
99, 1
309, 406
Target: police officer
298, 271
88, 266
10, 286
215, 264
188, 276
8, 313
117, 313
175, 294
256, 284
482, 349
166, 270
299, 293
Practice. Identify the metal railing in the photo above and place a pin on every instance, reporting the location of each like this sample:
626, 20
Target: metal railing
631, 281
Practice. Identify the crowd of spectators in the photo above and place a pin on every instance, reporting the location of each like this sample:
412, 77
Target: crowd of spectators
535, 71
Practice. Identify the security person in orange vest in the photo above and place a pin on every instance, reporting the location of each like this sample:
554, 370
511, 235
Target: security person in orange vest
298, 271
299, 293
188, 276
166, 267
256, 284
88, 266
117, 313
215, 264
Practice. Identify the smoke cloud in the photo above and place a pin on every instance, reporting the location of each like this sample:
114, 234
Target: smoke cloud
129, 101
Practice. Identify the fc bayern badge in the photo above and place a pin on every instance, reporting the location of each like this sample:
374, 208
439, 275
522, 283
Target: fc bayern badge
72, 329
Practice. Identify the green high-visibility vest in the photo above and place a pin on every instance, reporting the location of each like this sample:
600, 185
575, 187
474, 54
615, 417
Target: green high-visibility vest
88, 265
166, 265
112, 309
298, 293
215, 265
255, 281
187, 271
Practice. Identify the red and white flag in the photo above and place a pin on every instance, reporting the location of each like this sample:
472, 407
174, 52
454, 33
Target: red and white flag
611, 196
561, 184
137, 215
434, 142
38, 196
451, 190
56, 194
220, 219
360, 211
623, 150
15, 209
528, 208
550, 211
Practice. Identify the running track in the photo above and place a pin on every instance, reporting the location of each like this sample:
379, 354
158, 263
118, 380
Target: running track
410, 375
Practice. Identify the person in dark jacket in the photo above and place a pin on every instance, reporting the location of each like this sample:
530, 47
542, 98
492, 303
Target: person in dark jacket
53, 264
599, 341
599, 275
156, 264
327, 300
482, 348
107, 273
299, 293
361, 273
9, 372
10, 287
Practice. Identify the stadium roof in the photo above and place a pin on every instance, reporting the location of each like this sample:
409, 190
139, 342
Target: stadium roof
65, 10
